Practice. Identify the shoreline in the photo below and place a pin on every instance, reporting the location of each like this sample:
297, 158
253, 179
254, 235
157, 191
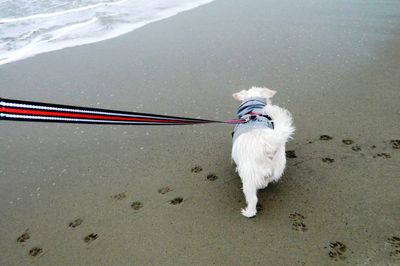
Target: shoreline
49, 40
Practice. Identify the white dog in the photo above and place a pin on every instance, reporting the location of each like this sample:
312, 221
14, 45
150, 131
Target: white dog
259, 144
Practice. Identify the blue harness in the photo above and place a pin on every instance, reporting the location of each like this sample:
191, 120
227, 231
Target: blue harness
252, 111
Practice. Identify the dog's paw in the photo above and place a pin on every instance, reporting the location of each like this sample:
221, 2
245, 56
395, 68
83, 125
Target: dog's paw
249, 213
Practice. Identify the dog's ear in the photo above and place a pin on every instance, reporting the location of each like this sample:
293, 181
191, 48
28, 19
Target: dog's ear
240, 96
267, 93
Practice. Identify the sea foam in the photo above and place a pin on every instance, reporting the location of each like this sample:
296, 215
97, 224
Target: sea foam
28, 28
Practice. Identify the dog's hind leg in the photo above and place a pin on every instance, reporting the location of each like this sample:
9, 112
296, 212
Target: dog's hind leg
279, 163
250, 193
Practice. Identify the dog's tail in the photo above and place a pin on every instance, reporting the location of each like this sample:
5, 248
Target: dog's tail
283, 122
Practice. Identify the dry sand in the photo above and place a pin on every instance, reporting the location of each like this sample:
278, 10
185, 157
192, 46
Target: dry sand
89, 195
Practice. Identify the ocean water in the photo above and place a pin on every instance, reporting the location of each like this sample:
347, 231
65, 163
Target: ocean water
31, 27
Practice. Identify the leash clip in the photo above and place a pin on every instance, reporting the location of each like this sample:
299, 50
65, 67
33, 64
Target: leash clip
247, 118
250, 116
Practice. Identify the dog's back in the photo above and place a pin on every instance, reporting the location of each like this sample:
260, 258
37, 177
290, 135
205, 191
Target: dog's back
261, 152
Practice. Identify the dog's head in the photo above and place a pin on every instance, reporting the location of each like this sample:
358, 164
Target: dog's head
253, 92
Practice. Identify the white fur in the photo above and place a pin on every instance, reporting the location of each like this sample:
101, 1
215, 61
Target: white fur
260, 154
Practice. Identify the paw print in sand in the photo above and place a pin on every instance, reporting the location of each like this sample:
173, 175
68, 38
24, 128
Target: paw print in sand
36, 251
298, 222
164, 190
75, 223
90, 238
325, 137
328, 160
24, 237
348, 141
291, 154
395, 143
382, 155
337, 250
136, 205
119, 196
212, 177
356, 148
394, 241
176, 201
196, 169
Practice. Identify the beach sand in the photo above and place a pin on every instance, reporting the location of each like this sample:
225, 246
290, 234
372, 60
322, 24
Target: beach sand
90, 195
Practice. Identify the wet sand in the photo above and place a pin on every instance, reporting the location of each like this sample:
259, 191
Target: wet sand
125, 195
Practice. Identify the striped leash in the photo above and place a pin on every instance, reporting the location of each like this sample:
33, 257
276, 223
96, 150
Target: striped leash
27, 111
